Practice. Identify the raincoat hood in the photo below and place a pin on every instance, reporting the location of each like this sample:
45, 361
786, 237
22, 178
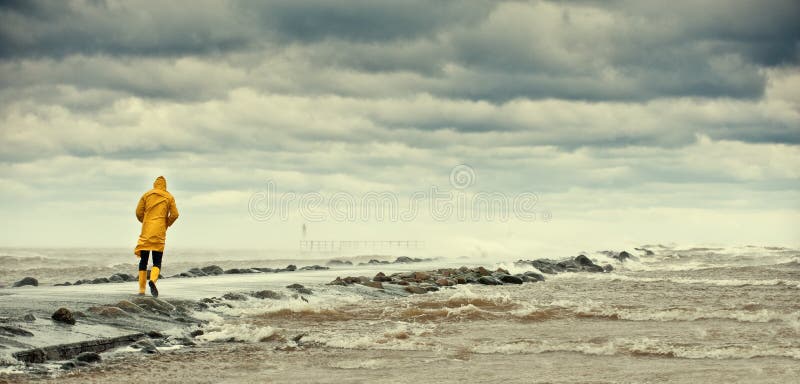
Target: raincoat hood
160, 183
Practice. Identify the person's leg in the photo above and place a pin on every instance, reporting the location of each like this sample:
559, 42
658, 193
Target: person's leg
155, 272
143, 258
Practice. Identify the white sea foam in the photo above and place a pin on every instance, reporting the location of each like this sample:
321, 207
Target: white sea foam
643, 346
236, 332
682, 280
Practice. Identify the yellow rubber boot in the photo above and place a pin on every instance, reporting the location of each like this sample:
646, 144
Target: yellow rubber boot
142, 281
153, 278
154, 274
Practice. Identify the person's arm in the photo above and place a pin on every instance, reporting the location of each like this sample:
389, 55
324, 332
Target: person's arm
173, 212
140, 210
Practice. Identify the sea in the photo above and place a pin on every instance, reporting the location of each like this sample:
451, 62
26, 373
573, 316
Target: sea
676, 314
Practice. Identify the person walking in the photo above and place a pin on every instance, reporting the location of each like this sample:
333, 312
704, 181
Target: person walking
157, 212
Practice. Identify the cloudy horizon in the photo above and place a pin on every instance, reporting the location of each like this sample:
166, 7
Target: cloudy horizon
632, 122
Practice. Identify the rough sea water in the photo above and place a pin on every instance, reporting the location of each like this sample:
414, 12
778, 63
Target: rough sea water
680, 315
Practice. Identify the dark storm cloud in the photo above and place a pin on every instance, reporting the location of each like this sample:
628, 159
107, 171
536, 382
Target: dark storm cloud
495, 51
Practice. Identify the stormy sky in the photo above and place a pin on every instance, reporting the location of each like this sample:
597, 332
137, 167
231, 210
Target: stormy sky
633, 122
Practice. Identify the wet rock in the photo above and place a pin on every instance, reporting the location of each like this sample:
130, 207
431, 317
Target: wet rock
154, 304
195, 272
212, 270
197, 332
88, 357
587, 265
63, 315
26, 281
338, 281
69, 365
145, 346
376, 261
337, 263
421, 276
489, 280
373, 284
265, 270
6, 330
234, 296
64, 284
381, 277
444, 282
624, 255
108, 311
299, 288
29, 318
267, 294
510, 279
237, 271
129, 307
116, 279
608, 268
533, 276
155, 335
100, 280
314, 268
403, 259
415, 289
290, 268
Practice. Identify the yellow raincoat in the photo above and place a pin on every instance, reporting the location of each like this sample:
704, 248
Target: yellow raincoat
156, 211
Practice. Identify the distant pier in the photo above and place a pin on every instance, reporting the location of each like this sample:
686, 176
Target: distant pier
337, 246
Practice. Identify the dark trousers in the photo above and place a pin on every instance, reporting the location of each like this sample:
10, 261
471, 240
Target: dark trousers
144, 256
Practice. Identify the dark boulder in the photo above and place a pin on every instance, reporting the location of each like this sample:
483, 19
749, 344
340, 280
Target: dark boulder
299, 288
338, 281
510, 279
608, 268
381, 277
622, 256
404, 259
237, 271
587, 265
489, 280
265, 270
63, 315
314, 268
197, 332
375, 261
100, 280
533, 276
64, 284
88, 357
196, 272
234, 296
27, 281
291, 268
116, 279
267, 294
339, 262
212, 270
